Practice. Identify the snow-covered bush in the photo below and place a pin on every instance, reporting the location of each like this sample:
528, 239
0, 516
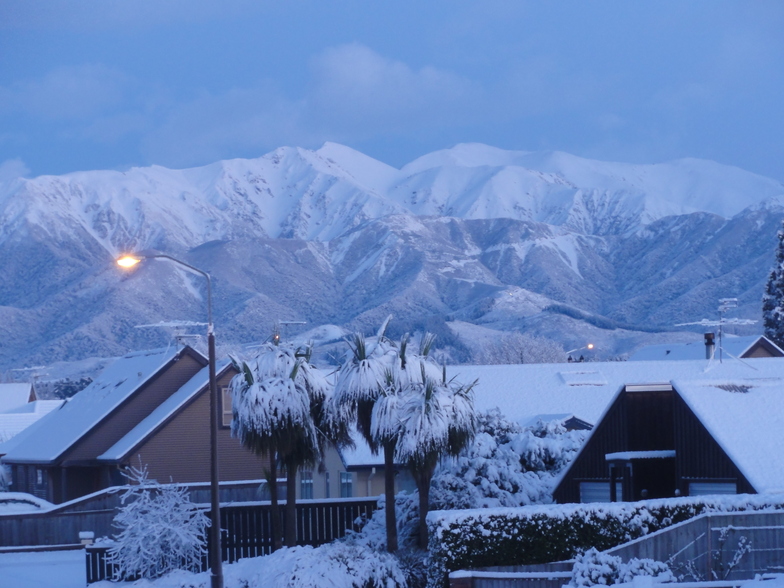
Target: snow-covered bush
545, 533
646, 567
506, 465
160, 530
594, 567
5, 478
547, 446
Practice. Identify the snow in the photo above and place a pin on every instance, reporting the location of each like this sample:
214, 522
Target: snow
733, 346
18, 419
585, 390
19, 502
53, 434
14, 395
629, 455
45, 569
747, 425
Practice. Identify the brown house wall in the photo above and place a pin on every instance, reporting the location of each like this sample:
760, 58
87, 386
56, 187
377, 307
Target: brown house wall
180, 450
141, 404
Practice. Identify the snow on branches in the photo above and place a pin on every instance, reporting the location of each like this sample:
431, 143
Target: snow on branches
160, 529
773, 299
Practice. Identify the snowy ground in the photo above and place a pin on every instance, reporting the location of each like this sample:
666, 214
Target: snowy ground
46, 569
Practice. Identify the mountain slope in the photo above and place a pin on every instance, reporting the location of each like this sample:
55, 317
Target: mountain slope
474, 233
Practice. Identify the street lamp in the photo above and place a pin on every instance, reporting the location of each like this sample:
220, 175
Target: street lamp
588, 347
216, 566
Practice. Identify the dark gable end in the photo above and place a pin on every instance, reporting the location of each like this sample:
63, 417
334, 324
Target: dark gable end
639, 432
699, 457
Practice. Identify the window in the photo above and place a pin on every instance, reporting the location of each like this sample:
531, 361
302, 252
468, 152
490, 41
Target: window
306, 485
226, 404
346, 485
326, 480
703, 488
39, 477
599, 491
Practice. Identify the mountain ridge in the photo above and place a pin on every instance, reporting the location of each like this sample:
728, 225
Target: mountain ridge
338, 237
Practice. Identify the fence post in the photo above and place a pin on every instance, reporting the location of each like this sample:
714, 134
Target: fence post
709, 555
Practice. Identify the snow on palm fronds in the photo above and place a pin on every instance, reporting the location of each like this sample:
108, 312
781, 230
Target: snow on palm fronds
273, 408
273, 398
436, 418
362, 374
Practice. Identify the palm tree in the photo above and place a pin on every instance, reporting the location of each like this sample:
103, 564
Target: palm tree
435, 417
274, 400
370, 391
366, 374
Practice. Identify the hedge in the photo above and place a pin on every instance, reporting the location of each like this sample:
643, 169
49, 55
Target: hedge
470, 539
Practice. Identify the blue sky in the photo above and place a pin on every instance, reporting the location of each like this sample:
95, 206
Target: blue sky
100, 84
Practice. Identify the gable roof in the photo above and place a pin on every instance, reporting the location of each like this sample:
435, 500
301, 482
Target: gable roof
732, 346
54, 434
163, 413
585, 390
745, 415
13, 395
15, 421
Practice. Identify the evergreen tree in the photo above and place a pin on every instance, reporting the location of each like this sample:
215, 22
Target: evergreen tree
773, 299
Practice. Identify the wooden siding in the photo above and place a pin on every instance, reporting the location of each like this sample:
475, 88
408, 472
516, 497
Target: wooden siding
140, 404
652, 421
180, 450
636, 421
699, 456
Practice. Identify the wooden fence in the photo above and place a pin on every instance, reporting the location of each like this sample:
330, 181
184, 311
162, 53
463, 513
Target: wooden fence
246, 530
62, 524
701, 549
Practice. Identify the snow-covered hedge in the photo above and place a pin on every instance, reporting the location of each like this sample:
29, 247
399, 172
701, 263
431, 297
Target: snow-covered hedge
468, 539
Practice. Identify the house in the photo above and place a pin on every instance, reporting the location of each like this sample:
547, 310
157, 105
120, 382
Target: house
713, 431
16, 420
152, 408
148, 407
14, 395
729, 347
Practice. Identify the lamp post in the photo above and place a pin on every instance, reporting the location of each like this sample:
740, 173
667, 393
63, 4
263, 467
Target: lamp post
216, 566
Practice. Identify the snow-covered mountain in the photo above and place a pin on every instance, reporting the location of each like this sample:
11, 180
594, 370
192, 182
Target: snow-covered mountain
547, 242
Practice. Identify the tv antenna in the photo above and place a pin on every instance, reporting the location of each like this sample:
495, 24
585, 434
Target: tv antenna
725, 304
179, 328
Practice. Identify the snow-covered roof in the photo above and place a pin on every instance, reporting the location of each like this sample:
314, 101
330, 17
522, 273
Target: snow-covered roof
15, 421
360, 455
734, 346
561, 417
163, 413
14, 395
745, 415
52, 435
523, 391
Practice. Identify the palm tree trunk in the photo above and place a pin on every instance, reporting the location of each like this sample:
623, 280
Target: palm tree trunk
389, 495
290, 531
274, 507
422, 479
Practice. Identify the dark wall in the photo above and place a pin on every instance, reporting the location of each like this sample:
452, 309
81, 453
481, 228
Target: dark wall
699, 457
652, 421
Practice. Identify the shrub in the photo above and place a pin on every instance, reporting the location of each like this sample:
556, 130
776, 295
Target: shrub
160, 530
473, 539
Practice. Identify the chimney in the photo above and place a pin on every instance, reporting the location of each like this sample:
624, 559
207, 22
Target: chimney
709, 345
